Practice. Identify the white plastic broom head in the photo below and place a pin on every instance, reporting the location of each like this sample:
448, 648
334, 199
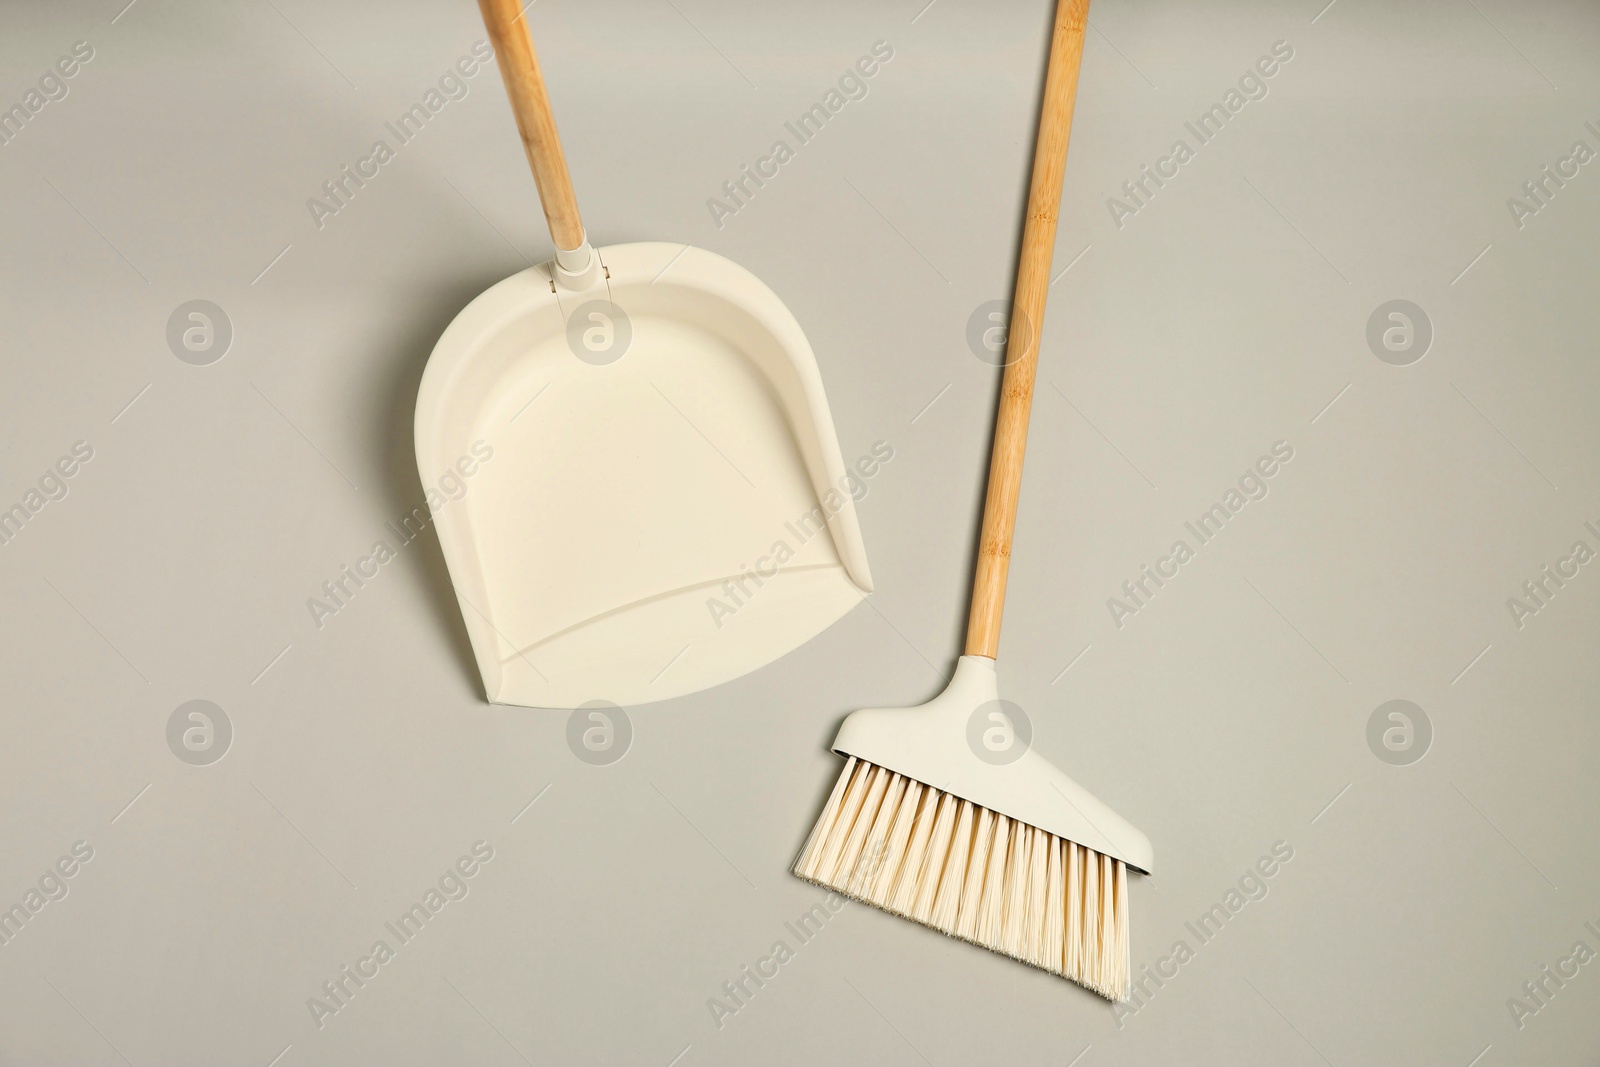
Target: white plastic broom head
931, 744
946, 816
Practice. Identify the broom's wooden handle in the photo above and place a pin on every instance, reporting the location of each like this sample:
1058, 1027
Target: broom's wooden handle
1027, 318
519, 66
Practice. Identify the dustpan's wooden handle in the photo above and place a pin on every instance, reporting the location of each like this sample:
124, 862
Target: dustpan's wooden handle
519, 66
1027, 318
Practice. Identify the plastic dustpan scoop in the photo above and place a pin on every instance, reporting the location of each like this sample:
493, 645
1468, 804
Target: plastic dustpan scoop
655, 498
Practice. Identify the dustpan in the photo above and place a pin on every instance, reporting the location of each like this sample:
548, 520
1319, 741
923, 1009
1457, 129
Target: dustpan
654, 500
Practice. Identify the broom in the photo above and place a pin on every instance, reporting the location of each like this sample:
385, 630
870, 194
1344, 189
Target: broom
942, 814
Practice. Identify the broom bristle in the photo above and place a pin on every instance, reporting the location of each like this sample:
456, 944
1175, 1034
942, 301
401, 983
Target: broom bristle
972, 873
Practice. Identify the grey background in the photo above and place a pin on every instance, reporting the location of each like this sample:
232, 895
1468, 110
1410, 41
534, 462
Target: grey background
1229, 714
